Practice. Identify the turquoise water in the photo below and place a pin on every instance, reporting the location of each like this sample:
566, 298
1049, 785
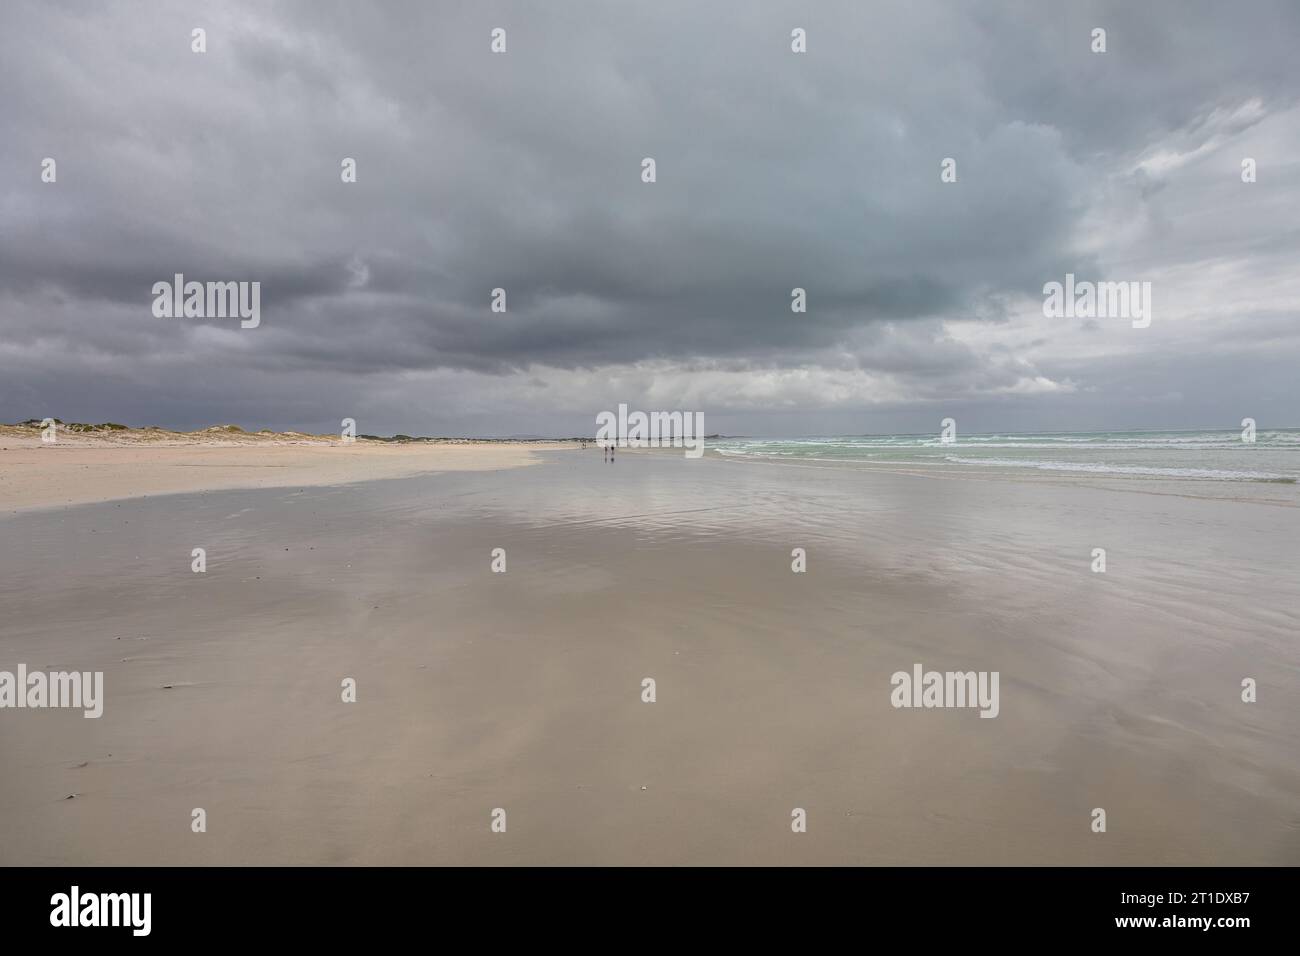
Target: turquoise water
1195, 454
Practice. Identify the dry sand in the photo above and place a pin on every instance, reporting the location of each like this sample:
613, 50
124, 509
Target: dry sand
105, 466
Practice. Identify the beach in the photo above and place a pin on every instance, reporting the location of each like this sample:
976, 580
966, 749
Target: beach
522, 689
81, 468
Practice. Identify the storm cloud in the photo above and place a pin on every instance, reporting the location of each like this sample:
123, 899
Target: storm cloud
775, 170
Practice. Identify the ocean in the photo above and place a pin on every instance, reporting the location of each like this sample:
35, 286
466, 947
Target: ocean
1194, 454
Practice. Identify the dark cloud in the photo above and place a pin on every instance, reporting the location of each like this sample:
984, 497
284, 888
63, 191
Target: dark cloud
522, 171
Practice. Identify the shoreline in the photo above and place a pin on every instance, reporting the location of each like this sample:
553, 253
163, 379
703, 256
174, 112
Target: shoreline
91, 468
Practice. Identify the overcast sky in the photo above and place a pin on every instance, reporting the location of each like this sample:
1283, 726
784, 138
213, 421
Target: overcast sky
522, 170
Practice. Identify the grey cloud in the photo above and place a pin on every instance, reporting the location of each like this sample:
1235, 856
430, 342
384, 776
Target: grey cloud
522, 171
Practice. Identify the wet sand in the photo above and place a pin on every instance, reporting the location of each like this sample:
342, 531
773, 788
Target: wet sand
478, 690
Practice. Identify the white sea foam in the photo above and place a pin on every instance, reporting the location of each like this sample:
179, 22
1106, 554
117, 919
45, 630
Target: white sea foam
1214, 474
